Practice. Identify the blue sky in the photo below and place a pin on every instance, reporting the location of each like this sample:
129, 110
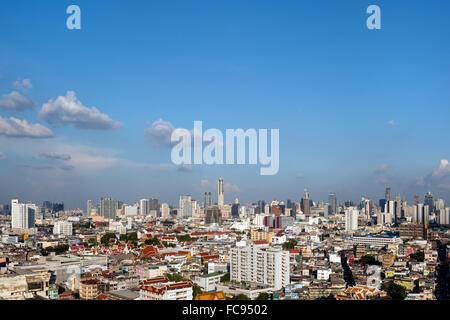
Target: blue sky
357, 109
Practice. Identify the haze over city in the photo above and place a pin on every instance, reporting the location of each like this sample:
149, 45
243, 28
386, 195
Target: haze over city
372, 115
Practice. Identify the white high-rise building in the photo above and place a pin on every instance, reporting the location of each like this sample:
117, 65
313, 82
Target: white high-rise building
185, 207
445, 216
351, 219
420, 213
165, 211
261, 264
143, 207
131, 211
62, 227
220, 197
22, 215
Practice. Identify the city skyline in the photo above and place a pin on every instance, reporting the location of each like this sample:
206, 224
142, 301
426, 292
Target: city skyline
374, 114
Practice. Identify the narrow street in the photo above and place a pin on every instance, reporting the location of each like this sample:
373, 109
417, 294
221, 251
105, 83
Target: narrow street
442, 277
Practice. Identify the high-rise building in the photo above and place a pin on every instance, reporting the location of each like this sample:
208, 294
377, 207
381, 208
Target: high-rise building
261, 205
388, 194
332, 204
88, 207
416, 200
213, 215
108, 207
208, 202
185, 207
22, 215
153, 204
261, 264
306, 207
62, 227
351, 219
220, 198
429, 201
143, 207
165, 211
398, 209
235, 210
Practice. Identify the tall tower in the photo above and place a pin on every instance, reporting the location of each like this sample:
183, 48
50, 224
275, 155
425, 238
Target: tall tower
388, 195
88, 207
306, 208
220, 200
416, 200
332, 204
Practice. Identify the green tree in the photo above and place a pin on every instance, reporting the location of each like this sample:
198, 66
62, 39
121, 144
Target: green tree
153, 242
397, 292
263, 296
418, 256
225, 277
105, 239
241, 296
369, 260
196, 290
290, 244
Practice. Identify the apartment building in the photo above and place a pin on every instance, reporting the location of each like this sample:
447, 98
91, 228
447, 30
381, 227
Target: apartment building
259, 263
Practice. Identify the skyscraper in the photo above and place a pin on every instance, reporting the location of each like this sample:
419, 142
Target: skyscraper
108, 207
185, 206
88, 207
388, 195
306, 208
429, 201
416, 200
332, 203
208, 201
220, 198
143, 207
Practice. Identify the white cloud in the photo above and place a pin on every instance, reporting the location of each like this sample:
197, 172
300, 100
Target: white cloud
442, 171
66, 110
13, 127
54, 156
391, 123
15, 101
159, 133
24, 84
